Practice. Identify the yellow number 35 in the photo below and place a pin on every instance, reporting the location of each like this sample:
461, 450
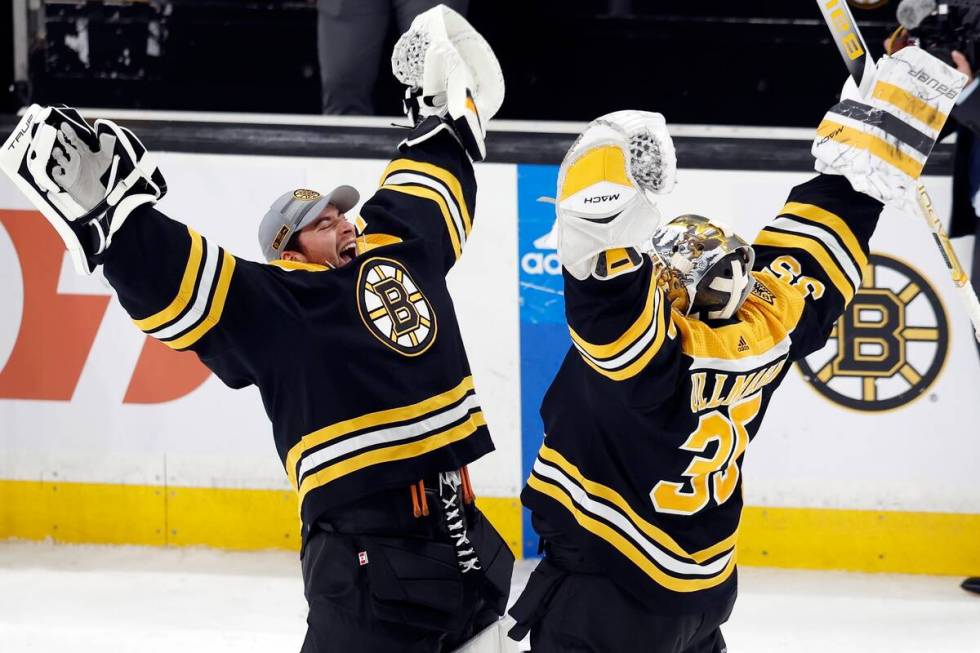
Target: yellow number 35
717, 474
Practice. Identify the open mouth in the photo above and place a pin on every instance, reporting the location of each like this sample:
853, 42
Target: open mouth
348, 253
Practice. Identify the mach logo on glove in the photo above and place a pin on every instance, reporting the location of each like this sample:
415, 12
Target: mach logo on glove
888, 347
46, 359
393, 308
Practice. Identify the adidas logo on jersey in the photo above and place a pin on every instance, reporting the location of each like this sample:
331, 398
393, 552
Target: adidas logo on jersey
742, 345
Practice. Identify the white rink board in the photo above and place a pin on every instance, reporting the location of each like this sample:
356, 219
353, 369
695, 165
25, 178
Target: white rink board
810, 452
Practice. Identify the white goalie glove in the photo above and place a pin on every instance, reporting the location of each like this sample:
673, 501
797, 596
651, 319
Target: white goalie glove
881, 143
606, 189
452, 73
84, 179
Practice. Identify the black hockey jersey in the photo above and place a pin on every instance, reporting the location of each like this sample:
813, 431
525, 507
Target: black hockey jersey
649, 416
361, 369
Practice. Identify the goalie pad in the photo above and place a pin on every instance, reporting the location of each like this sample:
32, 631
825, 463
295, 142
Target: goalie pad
606, 188
492, 639
85, 180
881, 143
451, 72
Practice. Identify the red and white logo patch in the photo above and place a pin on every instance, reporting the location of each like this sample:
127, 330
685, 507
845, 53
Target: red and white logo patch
362, 558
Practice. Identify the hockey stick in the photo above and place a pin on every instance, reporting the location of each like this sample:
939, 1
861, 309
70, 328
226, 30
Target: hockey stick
854, 51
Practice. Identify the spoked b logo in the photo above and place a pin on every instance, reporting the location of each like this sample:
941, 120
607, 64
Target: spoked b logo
393, 307
888, 347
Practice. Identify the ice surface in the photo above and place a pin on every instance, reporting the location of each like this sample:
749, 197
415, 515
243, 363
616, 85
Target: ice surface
92, 599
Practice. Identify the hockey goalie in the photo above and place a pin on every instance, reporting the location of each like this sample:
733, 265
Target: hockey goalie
681, 332
348, 331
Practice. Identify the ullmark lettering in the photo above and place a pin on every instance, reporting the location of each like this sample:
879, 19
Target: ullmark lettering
708, 389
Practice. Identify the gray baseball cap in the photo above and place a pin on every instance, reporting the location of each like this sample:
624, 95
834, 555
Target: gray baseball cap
294, 210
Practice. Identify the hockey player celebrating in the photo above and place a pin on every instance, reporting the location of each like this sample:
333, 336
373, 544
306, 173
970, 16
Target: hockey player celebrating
349, 334
678, 346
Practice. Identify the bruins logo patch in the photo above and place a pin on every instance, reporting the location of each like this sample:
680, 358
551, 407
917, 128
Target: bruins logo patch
763, 293
393, 307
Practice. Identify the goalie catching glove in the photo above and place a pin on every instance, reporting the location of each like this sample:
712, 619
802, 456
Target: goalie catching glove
606, 188
85, 180
881, 143
452, 74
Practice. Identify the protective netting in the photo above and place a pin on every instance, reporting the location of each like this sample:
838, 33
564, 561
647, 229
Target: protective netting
646, 162
408, 58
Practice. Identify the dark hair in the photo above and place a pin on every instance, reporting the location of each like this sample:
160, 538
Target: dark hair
293, 243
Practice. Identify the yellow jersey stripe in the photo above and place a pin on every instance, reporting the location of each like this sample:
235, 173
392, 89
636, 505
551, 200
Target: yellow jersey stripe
429, 194
443, 175
370, 420
657, 535
835, 224
628, 548
184, 293
631, 335
871, 143
815, 249
217, 307
605, 163
641, 362
369, 242
390, 454
902, 99
297, 265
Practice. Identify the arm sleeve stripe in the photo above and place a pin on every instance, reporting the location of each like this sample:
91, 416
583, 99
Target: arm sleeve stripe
832, 245
612, 497
891, 155
643, 360
217, 307
832, 222
429, 194
415, 179
902, 99
772, 238
184, 293
443, 175
202, 294
633, 350
631, 335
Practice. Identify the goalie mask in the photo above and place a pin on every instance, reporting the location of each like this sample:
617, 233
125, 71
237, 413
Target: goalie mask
710, 266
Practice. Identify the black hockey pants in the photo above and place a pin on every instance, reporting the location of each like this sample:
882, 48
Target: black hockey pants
570, 606
378, 582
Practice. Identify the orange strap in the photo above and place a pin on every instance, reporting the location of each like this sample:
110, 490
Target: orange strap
469, 496
416, 508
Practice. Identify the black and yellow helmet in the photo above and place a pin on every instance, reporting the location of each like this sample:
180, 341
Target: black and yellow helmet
709, 265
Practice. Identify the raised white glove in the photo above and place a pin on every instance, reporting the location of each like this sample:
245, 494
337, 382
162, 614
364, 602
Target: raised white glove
881, 143
606, 188
85, 180
451, 72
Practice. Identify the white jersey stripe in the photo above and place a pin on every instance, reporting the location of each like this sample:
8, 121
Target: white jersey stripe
406, 178
624, 524
432, 422
200, 303
746, 364
840, 254
636, 349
